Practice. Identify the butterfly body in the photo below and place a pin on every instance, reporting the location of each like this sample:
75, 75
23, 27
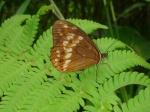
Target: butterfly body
72, 50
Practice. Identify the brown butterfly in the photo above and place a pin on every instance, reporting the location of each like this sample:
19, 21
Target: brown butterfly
72, 49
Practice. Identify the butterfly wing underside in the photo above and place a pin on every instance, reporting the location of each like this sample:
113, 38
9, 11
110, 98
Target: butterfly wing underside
72, 49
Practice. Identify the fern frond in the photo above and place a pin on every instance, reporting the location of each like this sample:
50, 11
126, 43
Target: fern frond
41, 48
10, 24
121, 80
118, 61
10, 67
86, 25
22, 89
44, 9
21, 38
68, 102
139, 103
43, 96
108, 44
6, 63
18, 71
121, 60
85, 82
106, 93
88, 80
30, 75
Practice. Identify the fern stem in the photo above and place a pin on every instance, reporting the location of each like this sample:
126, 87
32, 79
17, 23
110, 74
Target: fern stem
124, 94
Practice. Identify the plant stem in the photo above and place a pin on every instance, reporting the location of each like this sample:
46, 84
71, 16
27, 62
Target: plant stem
56, 10
108, 17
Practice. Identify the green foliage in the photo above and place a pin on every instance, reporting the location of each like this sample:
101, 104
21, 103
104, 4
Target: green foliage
29, 82
90, 25
23, 7
43, 10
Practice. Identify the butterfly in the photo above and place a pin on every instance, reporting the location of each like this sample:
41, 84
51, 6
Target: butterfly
72, 49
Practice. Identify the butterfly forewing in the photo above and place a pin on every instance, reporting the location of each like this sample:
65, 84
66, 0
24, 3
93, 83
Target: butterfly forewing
72, 49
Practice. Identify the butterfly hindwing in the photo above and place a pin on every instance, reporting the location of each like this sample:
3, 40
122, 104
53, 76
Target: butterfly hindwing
73, 50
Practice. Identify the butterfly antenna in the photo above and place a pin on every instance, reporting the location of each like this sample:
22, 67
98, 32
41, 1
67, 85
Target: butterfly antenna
111, 45
105, 55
